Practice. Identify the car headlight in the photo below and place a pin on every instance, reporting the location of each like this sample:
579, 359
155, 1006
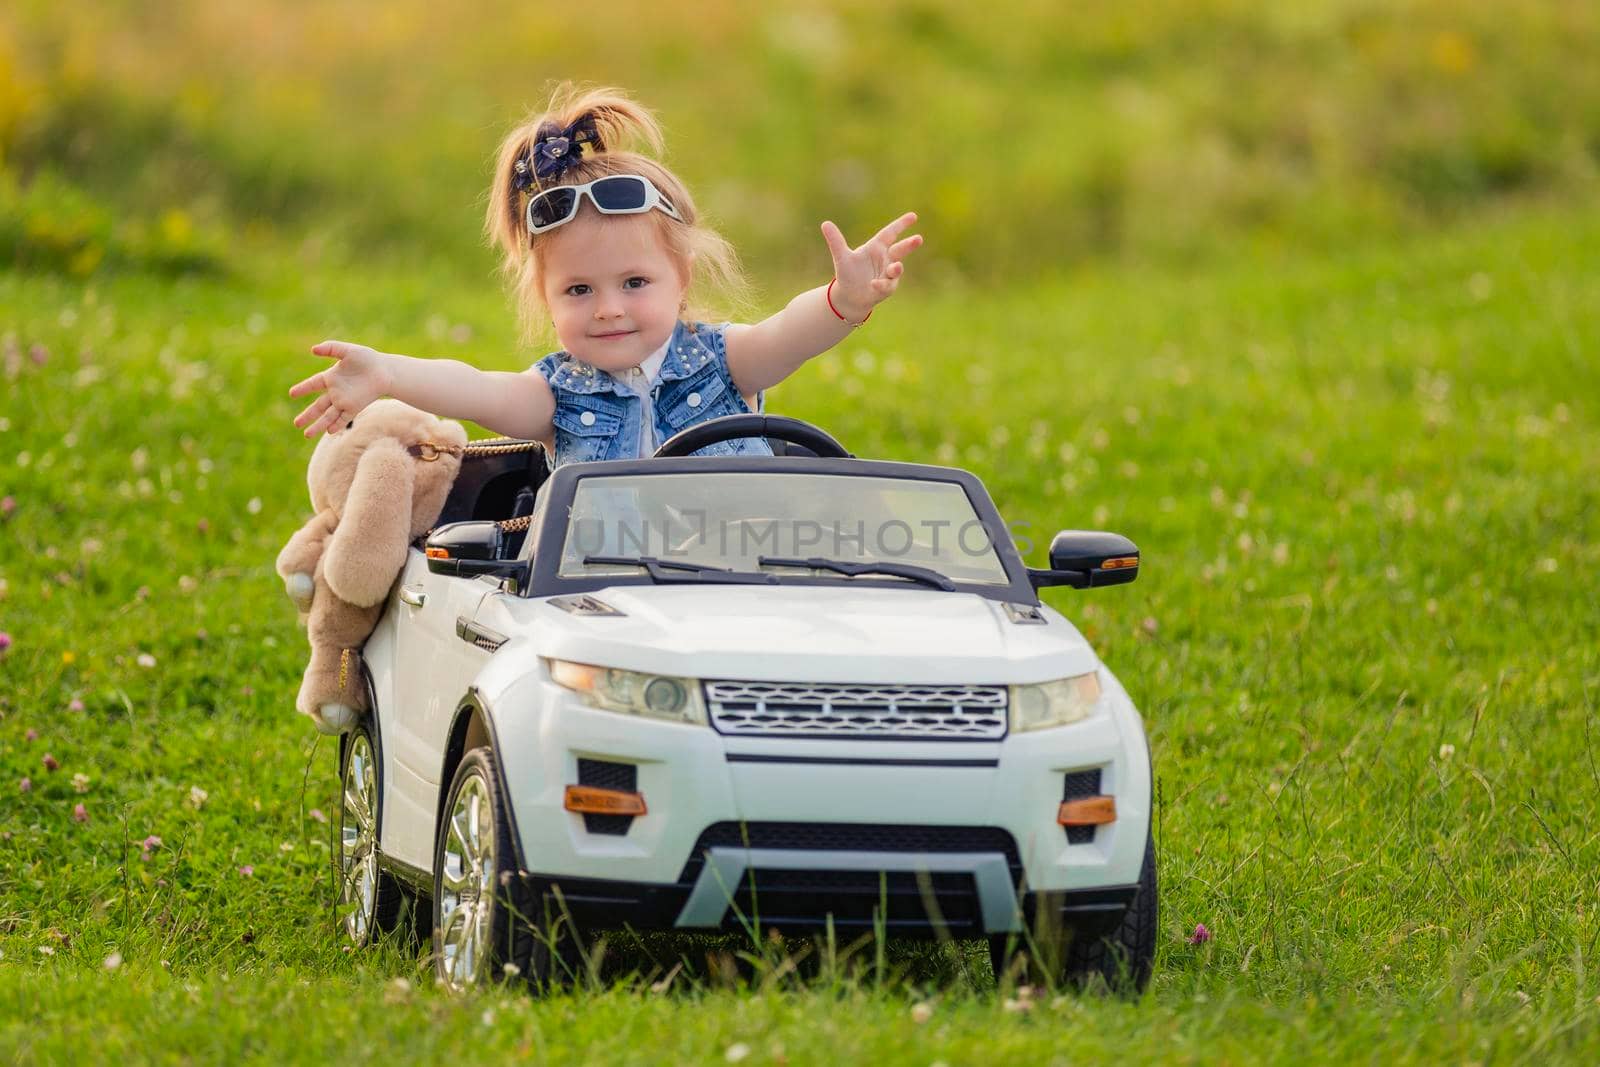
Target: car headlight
655, 696
1035, 707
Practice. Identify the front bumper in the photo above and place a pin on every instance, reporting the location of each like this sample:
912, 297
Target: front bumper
934, 905
786, 832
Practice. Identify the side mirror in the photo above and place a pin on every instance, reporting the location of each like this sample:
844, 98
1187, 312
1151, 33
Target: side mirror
463, 549
1086, 559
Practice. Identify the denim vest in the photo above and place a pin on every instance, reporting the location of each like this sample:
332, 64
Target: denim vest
597, 416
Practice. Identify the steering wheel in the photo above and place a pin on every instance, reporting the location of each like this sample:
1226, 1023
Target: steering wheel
733, 427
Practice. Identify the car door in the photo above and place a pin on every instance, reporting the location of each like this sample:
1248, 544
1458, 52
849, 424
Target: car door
433, 668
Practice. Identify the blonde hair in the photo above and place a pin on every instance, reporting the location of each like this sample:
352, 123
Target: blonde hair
619, 123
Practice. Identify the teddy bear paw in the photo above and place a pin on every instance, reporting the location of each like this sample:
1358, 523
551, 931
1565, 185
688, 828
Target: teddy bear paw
300, 587
336, 718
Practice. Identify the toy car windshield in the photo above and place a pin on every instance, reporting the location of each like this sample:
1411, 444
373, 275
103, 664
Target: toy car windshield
819, 524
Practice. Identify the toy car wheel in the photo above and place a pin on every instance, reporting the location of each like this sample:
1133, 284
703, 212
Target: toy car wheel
484, 917
1065, 956
369, 899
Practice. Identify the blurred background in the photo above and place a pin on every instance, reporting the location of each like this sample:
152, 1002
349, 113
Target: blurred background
1031, 136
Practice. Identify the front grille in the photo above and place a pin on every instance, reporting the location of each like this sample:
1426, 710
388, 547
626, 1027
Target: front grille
800, 709
603, 774
853, 837
901, 901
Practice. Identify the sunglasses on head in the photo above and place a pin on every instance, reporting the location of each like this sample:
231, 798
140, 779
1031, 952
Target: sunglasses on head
615, 194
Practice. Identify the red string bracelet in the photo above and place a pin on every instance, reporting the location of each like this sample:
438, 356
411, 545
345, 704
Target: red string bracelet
829, 296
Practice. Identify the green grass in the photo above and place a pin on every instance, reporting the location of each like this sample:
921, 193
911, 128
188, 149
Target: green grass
1365, 641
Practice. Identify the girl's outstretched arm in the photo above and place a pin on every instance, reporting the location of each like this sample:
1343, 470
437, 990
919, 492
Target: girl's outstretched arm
515, 404
762, 355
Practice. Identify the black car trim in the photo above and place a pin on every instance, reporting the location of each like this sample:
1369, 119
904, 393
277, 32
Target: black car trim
598, 904
544, 573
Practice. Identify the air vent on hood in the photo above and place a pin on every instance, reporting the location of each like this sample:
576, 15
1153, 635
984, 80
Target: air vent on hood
1024, 614
583, 604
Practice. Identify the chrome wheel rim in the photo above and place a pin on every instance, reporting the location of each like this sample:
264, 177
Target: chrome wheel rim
466, 886
358, 836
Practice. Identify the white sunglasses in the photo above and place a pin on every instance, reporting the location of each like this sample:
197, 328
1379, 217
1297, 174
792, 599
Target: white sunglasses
615, 194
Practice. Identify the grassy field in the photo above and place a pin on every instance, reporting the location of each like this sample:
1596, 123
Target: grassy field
1302, 298
1365, 644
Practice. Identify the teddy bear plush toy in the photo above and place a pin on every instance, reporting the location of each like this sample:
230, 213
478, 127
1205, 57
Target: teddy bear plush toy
375, 486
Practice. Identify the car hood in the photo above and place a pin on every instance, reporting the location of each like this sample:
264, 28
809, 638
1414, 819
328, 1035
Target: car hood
815, 632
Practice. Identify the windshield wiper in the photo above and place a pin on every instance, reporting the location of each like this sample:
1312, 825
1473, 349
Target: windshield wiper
658, 569
839, 566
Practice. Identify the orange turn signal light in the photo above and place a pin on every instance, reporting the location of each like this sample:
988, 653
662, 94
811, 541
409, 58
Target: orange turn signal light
437, 553
1117, 563
1087, 811
595, 801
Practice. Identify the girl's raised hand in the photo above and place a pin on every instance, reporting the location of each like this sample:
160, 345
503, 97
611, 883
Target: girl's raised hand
356, 379
868, 275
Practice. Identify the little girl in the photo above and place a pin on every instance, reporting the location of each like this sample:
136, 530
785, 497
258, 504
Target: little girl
607, 241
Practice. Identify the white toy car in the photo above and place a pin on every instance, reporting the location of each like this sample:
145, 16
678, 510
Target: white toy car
699, 693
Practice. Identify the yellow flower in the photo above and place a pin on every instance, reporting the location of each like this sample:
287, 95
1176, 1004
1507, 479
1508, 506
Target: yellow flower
68, 657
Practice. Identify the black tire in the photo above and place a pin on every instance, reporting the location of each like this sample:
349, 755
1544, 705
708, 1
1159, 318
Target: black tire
500, 921
1120, 958
369, 900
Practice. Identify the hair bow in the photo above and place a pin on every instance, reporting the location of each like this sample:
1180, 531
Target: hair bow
554, 150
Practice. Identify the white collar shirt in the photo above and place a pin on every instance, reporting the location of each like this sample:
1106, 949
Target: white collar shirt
642, 380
